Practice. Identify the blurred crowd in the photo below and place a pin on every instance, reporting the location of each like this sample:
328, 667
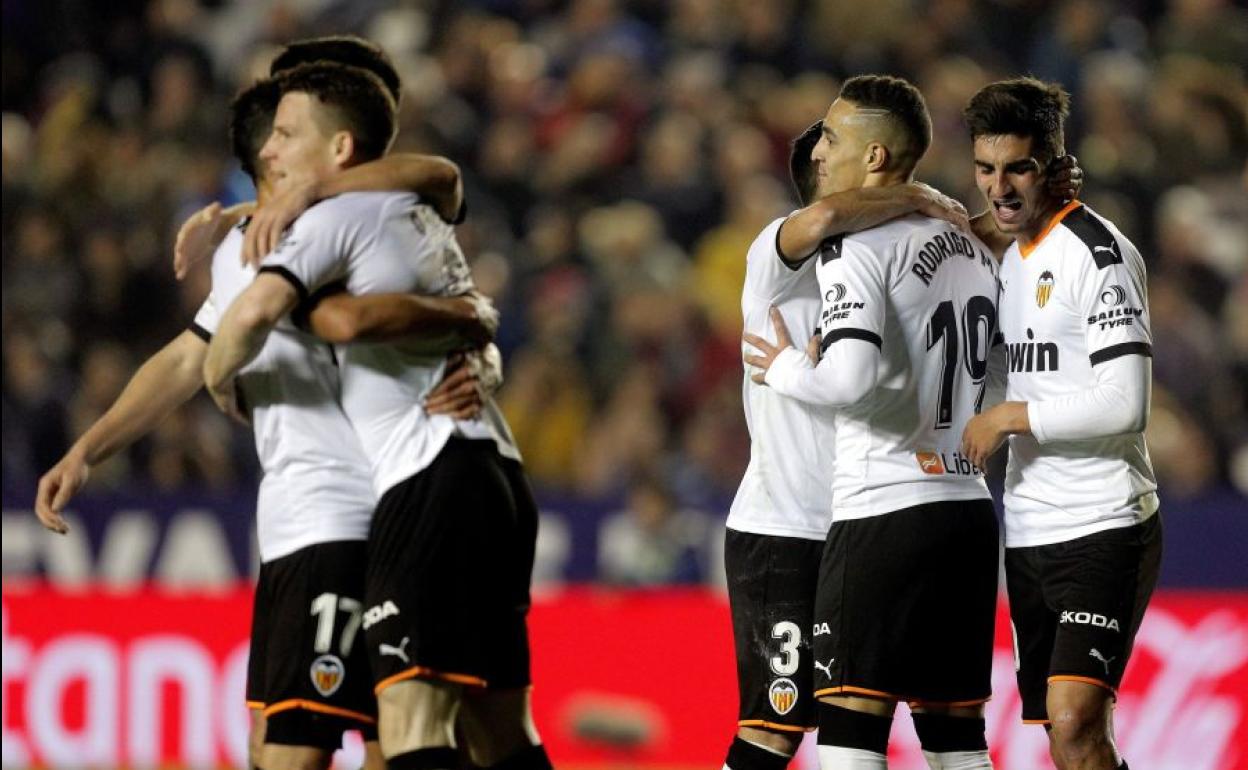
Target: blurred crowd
620, 156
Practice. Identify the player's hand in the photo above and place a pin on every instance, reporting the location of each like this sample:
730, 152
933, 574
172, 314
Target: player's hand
483, 326
459, 393
770, 351
1064, 178
229, 399
271, 220
933, 203
198, 238
985, 433
813, 348
57, 487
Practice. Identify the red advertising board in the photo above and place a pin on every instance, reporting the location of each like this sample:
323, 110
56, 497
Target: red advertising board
149, 677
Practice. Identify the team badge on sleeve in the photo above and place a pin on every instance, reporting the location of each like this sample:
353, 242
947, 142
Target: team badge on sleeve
327, 674
783, 695
1044, 288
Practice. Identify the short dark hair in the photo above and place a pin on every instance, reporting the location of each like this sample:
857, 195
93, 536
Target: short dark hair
901, 100
355, 97
350, 50
1022, 107
251, 122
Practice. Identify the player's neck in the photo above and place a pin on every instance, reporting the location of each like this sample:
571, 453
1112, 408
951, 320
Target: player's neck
1041, 224
885, 179
264, 193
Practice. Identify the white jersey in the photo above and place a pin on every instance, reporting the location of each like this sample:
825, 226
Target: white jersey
926, 294
787, 487
382, 243
316, 486
1075, 299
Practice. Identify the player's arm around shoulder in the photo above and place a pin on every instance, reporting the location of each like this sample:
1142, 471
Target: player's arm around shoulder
853, 211
435, 179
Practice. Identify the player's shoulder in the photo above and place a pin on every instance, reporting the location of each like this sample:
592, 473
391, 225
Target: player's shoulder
912, 228
915, 233
229, 252
1091, 238
353, 207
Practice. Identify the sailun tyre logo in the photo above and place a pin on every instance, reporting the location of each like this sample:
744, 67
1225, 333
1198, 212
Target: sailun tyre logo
1044, 288
783, 695
327, 674
835, 294
1114, 296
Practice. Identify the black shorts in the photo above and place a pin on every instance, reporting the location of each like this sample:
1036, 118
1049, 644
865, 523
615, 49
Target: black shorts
450, 557
308, 665
1076, 606
771, 590
906, 605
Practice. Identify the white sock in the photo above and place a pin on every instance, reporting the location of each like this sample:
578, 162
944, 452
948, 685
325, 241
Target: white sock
958, 760
844, 758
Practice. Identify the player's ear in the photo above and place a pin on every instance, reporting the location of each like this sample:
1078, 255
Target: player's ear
877, 156
343, 144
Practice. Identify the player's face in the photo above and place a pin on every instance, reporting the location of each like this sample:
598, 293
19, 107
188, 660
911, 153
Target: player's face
1009, 175
839, 157
298, 150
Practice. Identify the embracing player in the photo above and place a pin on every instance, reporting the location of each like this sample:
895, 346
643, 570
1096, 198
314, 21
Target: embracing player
307, 678
908, 314
447, 637
782, 510
1082, 532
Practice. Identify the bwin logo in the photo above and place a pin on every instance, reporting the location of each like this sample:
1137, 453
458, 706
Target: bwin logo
379, 612
835, 294
1090, 619
1114, 296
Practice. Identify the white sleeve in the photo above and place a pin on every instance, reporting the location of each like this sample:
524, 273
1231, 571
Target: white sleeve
845, 375
854, 288
207, 318
315, 250
1111, 294
767, 275
1117, 404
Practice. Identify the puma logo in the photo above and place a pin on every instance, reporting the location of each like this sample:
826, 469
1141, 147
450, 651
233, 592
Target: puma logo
1095, 653
825, 667
1110, 249
398, 652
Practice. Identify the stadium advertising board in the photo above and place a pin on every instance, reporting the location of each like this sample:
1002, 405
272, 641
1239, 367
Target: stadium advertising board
149, 677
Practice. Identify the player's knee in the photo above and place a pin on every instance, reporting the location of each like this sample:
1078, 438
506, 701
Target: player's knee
1076, 727
416, 714
952, 742
755, 749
